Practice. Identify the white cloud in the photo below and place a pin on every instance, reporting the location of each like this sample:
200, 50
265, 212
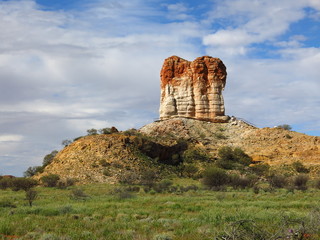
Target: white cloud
178, 11
254, 22
11, 138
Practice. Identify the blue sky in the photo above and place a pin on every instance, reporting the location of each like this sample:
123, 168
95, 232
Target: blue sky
67, 66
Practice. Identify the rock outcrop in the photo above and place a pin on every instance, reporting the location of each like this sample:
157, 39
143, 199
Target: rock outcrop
274, 146
193, 89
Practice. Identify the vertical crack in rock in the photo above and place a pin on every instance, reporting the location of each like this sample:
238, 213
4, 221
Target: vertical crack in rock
193, 89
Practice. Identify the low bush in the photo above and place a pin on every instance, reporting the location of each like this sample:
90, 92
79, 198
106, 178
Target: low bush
50, 180
231, 158
133, 189
122, 193
22, 184
300, 182
148, 177
285, 126
92, 131
162, 186
78, 194
260, 169
277, 181
214, 178
188, 188
189, 170
242, 182
299, 167
5, 183
220, 135
195, 154
63, 184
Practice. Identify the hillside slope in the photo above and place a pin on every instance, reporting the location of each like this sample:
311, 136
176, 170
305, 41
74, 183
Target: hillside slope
271, 145
158, 146
112, 158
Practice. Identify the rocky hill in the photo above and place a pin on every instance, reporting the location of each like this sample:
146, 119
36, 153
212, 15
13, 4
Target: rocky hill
113, 157
193, 125
274, 146
159, 146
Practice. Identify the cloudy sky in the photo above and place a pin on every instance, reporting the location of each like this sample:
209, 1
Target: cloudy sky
68, 66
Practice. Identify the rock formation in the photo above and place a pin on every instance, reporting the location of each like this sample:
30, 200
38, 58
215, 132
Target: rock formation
274, 146
193, 89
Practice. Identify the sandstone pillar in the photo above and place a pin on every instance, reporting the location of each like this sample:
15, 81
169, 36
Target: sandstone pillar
193, 89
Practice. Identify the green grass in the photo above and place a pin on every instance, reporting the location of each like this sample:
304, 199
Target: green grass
192, 215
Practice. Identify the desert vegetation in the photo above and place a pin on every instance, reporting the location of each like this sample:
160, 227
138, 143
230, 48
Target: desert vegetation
240, 201
171, 208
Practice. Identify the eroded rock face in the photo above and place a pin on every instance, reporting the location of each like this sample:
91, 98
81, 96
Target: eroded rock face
193, 89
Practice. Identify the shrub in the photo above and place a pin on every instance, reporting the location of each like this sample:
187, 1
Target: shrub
186, 189
128, 177
78, 194
66, 142
31, 171
299, 167
104, 130
133, 189
66, 183
226, 153
5, 183
189, 170
260, 169
215, 177
228, 157
288, 136
50, 180
162, 186
242, 182
31, 195
121, 193
195, 154
285, 127
48, 158
241, 157
148, 178
277, 181
225, 164
219, 135
77, 138
22, 184
92, 131
131, 132
300, 182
